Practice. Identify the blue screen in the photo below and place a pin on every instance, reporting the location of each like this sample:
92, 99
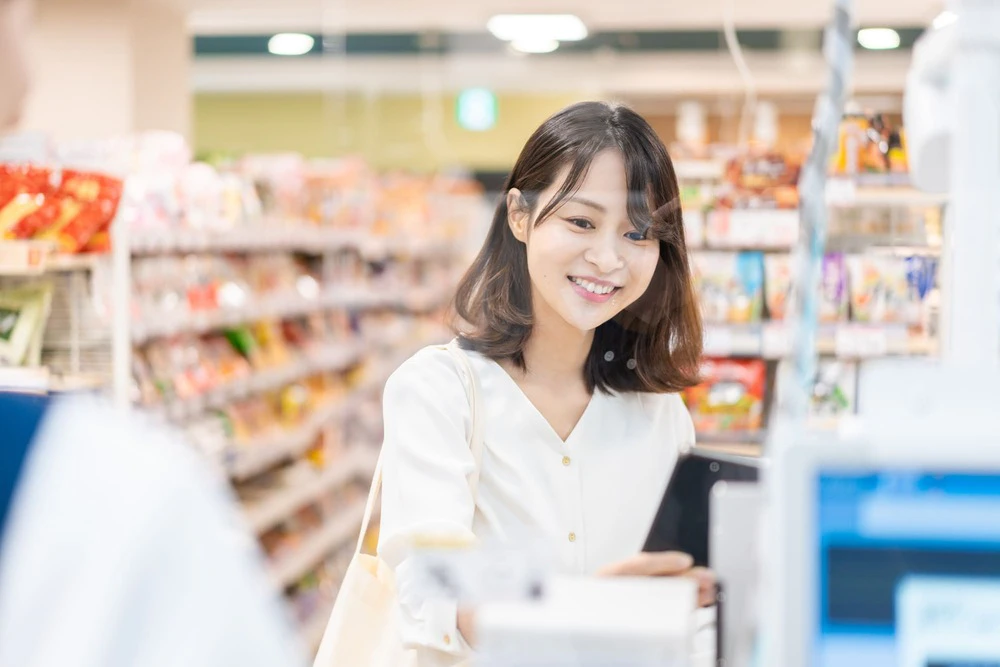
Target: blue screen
878, 533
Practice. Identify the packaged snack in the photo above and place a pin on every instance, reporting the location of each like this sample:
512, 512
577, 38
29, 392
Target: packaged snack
921, 275
880, 292
88, 203
761, 179
24, 312
834, 392
777, 284
833, 297
730, 286
730, 397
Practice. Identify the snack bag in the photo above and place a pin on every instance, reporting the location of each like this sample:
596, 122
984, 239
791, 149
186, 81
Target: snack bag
87, 205
880, 293
777, 284
921, 276
730, 397
730, 286
833, 294
24, 312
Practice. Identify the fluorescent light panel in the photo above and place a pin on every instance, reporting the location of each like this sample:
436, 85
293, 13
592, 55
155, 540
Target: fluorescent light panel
537, 27
291, 44
878, 39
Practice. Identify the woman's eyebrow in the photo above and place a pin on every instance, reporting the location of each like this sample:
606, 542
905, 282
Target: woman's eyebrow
587, 202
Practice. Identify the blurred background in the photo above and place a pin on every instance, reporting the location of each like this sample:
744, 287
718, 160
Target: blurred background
240, 216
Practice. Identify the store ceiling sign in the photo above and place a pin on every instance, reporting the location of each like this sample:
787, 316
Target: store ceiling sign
476, 109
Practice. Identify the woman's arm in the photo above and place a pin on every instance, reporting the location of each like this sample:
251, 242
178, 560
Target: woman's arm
426, 493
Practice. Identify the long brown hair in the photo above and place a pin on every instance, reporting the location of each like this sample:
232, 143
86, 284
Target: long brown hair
652, 346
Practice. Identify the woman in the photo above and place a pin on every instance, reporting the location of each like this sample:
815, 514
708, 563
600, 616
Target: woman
580, 322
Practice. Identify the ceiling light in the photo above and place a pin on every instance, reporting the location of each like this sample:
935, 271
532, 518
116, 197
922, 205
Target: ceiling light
878, 39
945, 18
535, 45
534, 27
291, 44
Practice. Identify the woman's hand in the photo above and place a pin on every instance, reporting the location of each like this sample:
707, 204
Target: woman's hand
665, 564
467, 625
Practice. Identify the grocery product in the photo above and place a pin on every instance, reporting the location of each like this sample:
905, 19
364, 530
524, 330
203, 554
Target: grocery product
24, 311
730, 286
834, 389
761, 179
730, 397
880, 290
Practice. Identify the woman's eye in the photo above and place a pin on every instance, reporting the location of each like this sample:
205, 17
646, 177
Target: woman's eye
636, 236
582, 223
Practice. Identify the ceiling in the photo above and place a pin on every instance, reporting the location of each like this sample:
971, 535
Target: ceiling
264, 16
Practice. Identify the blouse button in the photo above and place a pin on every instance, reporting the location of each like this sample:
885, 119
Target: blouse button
566, 460
447, 640
572, 537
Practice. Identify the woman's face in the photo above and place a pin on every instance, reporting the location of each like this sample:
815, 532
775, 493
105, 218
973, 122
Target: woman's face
587, 262
14, 20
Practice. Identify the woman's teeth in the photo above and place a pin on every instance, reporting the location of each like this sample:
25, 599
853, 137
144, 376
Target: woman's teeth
594, 288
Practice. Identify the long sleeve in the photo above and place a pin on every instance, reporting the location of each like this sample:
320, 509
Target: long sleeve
426, 463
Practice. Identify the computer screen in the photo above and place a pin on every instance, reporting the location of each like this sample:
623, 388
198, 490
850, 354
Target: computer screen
905, 562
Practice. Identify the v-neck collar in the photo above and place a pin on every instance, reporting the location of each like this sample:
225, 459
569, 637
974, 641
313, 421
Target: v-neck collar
538, 413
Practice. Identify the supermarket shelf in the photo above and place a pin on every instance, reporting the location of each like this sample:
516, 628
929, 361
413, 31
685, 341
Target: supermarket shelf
33, 258
338, 532
244, 461
358, 463
312, 631
43, 380
286, 305
277, 236
699, 170
318, 360
848, 340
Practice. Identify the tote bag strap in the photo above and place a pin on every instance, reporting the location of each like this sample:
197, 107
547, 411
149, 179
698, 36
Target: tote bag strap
474, 394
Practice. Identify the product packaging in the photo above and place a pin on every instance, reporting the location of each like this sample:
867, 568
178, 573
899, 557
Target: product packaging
731, 396
730, 286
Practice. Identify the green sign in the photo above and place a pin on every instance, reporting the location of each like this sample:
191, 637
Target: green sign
476, 109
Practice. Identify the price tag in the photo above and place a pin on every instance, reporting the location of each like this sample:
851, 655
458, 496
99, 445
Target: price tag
861, 342
718, 341
841, 191
777, 340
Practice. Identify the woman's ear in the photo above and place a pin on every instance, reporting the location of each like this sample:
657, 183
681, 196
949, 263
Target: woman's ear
518, 215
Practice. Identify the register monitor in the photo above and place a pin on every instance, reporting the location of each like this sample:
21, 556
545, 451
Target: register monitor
890, 552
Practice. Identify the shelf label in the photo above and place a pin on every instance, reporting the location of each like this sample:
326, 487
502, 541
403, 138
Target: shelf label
860, 342
718, 341
776, 341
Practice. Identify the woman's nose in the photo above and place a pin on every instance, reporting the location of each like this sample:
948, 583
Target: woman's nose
604, 254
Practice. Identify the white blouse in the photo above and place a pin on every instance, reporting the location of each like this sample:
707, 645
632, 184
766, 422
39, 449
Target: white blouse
592, 497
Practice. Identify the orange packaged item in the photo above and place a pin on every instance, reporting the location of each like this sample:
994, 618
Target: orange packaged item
730, 397
88, 203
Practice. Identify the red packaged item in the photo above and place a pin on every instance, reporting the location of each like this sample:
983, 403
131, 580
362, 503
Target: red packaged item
16, 179
89, 202
730, 397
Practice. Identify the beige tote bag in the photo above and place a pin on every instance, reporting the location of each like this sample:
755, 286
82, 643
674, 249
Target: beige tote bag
363, 630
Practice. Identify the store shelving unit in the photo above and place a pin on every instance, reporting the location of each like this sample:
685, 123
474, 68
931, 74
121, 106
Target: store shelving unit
358, 463
775, 232
338, 532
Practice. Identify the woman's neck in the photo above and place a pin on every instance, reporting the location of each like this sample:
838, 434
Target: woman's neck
556, 351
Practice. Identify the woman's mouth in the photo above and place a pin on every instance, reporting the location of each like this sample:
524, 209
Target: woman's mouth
593, 290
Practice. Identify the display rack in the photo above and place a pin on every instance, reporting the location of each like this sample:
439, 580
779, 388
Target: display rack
769, 232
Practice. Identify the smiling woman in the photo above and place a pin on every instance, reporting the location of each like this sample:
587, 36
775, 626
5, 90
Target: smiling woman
592, 209
554, 417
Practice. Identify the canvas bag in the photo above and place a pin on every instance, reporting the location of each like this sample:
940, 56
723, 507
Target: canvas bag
364, 630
